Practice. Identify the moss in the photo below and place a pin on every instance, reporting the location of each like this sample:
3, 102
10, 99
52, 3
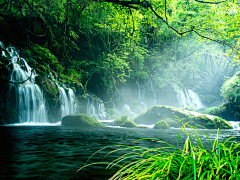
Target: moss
214, 111
128, 123
189, 108
221, 123
81, 120
161, 125
156, 113
201, 110
125, 121
112, 113
51, 87
121, 120
142, 127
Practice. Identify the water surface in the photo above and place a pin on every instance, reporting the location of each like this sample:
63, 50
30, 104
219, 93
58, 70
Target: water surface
57, 152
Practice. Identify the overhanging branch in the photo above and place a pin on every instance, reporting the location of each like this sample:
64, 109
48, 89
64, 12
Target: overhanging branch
207, 2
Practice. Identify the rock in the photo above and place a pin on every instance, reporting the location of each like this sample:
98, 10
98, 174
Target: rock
125, 121
189, 108
160, 112
81, 120
142, 127
201, 110
128, 123
161, 125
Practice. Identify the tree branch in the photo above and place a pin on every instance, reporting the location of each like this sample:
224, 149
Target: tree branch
210, 2
24, 80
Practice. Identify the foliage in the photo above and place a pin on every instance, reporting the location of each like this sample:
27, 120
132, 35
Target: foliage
213, 111
112, 112
231, 89
193, 161
96, 45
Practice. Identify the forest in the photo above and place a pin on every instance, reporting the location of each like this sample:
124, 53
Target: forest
111, 58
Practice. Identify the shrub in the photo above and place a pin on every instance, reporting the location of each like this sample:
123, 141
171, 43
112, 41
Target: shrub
214, 111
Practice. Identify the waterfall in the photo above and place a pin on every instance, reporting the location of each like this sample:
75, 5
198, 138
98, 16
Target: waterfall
68, 105
95, 107
141, 94
152, 89
235, 124
30, 103
188, 98
130, 113
194, 99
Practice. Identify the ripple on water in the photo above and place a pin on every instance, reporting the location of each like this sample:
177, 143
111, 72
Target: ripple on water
57, 152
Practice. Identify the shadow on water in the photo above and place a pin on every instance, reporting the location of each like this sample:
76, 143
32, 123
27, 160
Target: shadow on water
57, 152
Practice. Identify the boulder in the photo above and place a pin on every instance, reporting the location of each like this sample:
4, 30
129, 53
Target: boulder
171, 115
161, 125
81, 120
125, 121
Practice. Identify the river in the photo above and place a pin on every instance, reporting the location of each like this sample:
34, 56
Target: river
57, 152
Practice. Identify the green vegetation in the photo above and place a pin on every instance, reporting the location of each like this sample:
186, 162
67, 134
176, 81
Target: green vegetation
125, 121
213, 111
97, 45
113, 113
161, 125
193, 161
188, 108
168, 113
142, 127
81, 120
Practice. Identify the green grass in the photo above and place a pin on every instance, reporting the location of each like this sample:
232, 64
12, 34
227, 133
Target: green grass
193, 162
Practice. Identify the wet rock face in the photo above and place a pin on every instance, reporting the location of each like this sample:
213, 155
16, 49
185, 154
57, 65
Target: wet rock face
173, 116
81, 120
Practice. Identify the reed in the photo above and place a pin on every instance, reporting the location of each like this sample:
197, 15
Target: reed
172, 163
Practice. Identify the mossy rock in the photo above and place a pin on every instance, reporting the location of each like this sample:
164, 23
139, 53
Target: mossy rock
161, 125
189, 108
125, 121
81, 120
142, 127
128, 123
121, 120
201, 110
156, 113
51, 87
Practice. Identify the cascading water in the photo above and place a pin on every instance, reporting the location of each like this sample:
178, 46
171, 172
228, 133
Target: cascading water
152, 89
131, 114
235, 124
188, 98
68, 105
95, 107
140, 94
30, 103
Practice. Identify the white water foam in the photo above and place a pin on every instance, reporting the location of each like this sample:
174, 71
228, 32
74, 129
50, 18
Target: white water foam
235, 124
35, 124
